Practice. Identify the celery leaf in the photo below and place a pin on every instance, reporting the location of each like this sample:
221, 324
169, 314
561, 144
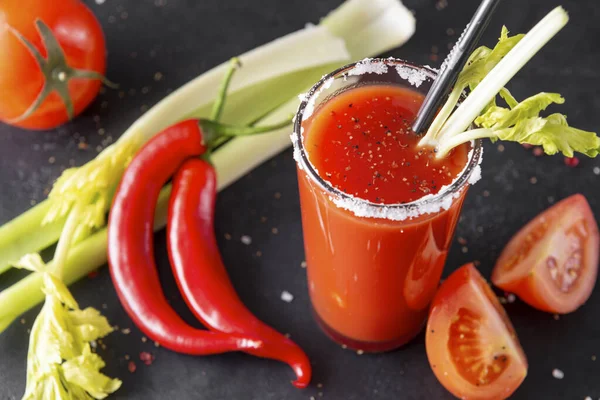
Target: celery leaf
60, 363
554, 134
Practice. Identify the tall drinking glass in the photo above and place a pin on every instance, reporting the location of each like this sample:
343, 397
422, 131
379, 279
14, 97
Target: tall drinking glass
372, 268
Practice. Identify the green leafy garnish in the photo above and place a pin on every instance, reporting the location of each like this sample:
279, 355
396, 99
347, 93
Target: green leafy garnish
60, 362
91, 186
478, 66
485, 74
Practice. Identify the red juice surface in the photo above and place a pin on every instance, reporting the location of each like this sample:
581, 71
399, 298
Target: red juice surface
371, 280
365, 146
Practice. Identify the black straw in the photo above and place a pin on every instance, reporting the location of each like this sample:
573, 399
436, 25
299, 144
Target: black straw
453, 64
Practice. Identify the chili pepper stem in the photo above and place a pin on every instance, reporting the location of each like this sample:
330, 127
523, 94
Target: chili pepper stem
219, 104
215, 133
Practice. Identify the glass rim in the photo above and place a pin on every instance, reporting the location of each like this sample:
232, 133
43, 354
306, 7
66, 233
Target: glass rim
448, 192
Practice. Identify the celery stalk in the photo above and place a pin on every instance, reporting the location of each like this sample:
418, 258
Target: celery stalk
23, 235
503, 72
376, 26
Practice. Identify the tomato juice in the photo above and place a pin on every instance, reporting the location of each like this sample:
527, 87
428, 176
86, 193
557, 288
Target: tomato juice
378, 214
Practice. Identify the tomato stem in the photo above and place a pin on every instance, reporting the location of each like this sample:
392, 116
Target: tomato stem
57, 72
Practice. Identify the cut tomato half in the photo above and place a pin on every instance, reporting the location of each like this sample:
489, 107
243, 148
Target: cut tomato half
471, 344
552, 262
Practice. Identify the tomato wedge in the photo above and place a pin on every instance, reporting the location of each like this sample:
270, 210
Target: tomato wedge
552, 262
471, 344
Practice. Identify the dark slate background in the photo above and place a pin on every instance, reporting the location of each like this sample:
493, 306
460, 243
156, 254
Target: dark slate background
180, 39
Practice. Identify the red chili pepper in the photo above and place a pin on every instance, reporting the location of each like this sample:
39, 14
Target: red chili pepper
201, 275
131, 247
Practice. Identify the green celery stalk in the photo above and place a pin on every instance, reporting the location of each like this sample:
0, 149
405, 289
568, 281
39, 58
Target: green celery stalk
371, 27
23, 235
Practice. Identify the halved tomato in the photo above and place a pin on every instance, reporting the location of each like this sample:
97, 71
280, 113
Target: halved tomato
471, 345
552, 262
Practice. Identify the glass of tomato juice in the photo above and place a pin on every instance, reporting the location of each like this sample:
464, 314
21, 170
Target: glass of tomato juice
378, 210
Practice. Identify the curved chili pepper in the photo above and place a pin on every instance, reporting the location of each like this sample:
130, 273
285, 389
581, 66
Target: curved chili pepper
130, 246
201, 275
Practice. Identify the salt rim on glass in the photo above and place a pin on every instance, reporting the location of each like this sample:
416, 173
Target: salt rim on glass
429, 204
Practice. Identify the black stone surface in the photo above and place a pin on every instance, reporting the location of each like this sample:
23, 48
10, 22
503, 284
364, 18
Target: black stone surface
180, 39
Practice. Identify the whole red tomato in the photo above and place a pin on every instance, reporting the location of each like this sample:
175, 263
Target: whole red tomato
65, 74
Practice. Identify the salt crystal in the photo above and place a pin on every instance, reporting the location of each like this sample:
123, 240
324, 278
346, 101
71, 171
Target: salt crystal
368, 66
475, 175
597, 170
557, 373
310, 102
246, 239
303, 264
100, 2
511, 298
414, 76
287, 296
